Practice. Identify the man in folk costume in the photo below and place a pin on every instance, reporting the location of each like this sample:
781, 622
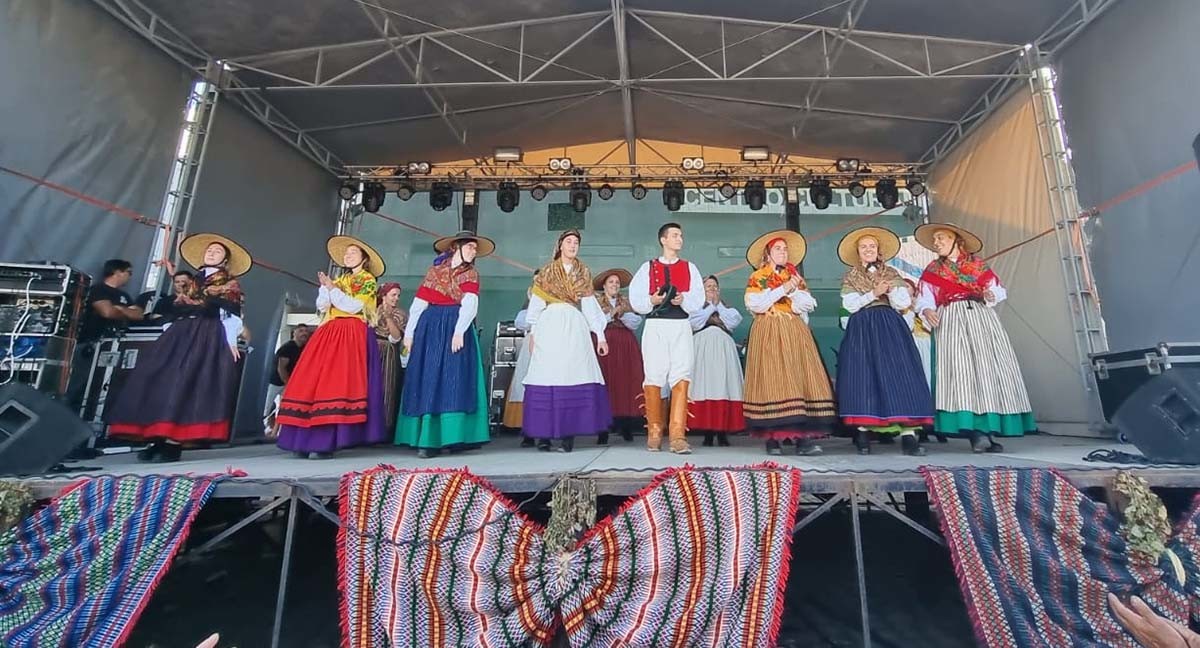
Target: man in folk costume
978, 389
667, 290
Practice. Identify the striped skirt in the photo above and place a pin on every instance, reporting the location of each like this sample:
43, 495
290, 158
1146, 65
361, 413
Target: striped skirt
880, 382
788, 393
977, 381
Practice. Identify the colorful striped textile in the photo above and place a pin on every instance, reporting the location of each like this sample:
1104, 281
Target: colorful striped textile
1036, 559
440, 558
80, 571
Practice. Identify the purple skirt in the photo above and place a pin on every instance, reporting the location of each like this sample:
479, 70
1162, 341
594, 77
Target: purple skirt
562, 411
328, 438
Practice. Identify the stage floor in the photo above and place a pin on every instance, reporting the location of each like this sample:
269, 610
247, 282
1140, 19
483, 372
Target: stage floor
622, 468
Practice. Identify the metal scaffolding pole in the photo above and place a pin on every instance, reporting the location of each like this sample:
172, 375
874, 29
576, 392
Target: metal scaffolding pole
1086, 320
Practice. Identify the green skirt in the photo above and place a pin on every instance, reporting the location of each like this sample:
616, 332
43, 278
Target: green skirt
989, 423
452, 429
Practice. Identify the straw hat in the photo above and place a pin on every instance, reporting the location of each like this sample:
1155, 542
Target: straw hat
192, 250
625, 276
484, 244
889, 244
336, 245
797, 247
971, 244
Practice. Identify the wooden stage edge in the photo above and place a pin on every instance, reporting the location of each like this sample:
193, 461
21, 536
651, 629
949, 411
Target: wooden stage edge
622, 469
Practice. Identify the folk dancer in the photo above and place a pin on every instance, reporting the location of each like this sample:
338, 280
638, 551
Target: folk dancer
717, 379
184, 386
444, 404
622, 367
335, 397
667, 290
788, 393
881, 386
978, 388
565, 396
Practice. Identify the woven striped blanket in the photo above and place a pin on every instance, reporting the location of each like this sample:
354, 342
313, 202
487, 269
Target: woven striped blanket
79, 572
440, 558
1036, 559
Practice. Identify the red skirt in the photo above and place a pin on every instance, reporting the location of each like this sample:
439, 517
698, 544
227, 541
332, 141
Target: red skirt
622, 371
329, 384
716, 416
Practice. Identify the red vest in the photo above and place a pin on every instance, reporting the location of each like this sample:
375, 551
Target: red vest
681, 276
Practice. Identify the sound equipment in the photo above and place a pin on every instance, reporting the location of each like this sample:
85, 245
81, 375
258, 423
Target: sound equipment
41, 279
1162, 417
41, 306
1120, 373
498, 383
36, 431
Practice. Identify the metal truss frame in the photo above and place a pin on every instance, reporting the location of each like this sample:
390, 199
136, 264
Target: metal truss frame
1049, 44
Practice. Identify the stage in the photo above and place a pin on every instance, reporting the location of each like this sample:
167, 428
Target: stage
621, 469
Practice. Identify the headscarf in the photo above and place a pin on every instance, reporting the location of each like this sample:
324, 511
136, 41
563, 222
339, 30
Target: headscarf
385, 289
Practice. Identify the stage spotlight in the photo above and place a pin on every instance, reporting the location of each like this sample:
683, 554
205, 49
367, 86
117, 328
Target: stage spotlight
538, 192
348, 190
507, 154
693, 163
419, 168
755, 193
820, 193
441, 194
581, 196
605, 191
755, 154
857, 189
727, 190
848, 165
638, 191
373, 195
672, 194
886, 193
405, 191
915, 187
561, 165
508, 196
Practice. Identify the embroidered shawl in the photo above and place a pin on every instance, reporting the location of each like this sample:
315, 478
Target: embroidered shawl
554, 284
398, 315
769, 277
446, 285
967, 278
622, 306
219, 289
361, 286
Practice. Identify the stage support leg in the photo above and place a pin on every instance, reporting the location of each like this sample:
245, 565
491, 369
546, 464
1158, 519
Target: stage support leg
289, 537
860, 566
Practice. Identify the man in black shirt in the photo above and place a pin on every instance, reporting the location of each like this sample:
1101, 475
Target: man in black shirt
108, 308
286, 357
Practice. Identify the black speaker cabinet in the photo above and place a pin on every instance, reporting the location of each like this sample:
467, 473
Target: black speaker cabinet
1162, 417
1120, 373
36, 431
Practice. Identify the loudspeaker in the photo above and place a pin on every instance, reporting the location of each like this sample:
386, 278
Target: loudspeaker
36, 431
1162, 417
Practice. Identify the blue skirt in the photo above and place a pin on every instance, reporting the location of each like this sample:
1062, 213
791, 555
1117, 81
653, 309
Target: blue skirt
880, 381
437, 381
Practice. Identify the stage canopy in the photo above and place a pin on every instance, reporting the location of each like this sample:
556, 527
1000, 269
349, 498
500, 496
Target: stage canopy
357, 82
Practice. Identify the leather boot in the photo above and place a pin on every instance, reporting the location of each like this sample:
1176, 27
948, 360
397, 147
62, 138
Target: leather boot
677, 428
654, 417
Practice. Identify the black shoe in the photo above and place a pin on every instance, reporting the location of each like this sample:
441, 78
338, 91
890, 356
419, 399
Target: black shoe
980, 443
150, 452
526, 442
602, 440
773, 448
627, 434
862, 441
941, 438
807, 448
910, 446
321, 455
543, 445
300, 454
169, 453
428, 453
708, 440
568, 444
723, 439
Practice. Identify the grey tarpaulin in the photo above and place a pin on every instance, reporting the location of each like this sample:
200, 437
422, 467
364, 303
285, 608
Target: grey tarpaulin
282, 207
994, 186
1131, 103
107, 129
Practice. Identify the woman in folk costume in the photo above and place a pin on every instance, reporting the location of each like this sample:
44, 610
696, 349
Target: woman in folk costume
335, 397
514, 400
978, 389
444, 406
717, 380
881, 387
622, 367
389, 332
667, 290
184, 385
564, 388
788, 394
